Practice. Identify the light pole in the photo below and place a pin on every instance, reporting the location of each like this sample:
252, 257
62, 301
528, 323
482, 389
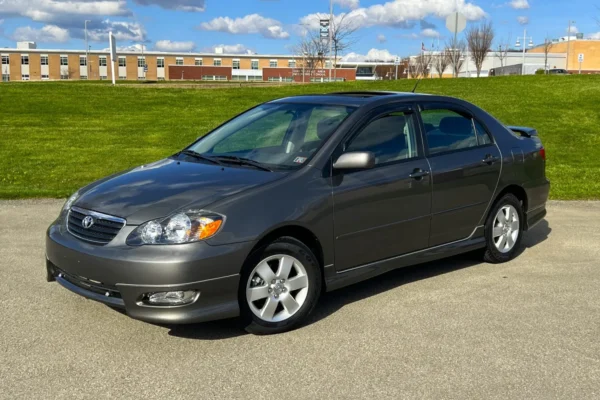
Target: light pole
518, 44
87, 49
330, 36
568, 43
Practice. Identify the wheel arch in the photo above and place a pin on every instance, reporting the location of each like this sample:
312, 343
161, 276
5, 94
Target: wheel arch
518, 191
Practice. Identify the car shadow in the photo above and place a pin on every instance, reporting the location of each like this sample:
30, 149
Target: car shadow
334, 301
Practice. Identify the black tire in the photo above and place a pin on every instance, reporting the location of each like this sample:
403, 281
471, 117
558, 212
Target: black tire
282, 246
491, 253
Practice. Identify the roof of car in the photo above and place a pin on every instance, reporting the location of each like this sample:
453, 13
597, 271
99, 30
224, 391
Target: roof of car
349, 98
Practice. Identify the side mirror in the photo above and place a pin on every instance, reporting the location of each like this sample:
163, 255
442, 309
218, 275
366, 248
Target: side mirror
355, 160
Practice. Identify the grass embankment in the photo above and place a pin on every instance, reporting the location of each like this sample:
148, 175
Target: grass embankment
58, 136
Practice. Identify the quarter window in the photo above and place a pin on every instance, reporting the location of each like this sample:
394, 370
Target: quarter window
390, 137
447, 130
483, 137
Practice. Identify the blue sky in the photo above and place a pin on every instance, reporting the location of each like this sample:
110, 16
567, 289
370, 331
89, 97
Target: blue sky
393, 27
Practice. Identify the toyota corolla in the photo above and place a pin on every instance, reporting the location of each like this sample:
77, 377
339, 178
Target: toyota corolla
295, 197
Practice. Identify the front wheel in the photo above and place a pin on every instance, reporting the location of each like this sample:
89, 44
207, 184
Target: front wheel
504, 230
280, 286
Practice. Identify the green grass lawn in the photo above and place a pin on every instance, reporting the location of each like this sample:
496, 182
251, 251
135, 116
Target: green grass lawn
58, 136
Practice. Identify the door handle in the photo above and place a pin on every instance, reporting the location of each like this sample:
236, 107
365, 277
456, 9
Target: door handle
418, 174
490, 159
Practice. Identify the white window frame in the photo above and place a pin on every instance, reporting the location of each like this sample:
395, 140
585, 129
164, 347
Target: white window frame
7, 57
159, 61
45, 77
179, 61
143, 59
233, 65
271, 62
219, 61
5, 77
124, 62
63, 57
64, 77
252, 65
44, 57
291, 63
25, 77
24, 57
83, 58
198, 62
102, 61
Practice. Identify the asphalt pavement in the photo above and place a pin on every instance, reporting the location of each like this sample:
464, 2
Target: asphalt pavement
451, 329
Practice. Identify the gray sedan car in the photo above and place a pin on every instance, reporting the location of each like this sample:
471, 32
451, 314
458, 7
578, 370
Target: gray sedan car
295, 197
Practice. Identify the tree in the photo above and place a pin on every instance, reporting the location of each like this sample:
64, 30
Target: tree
311, 49
342, 36
547, 46
441, 61
479, 40
456, 50
502, 52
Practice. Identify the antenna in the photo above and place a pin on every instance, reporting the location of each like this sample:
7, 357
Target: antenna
417, 83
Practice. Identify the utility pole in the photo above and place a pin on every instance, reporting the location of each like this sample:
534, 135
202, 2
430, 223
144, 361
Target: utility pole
330, 36
568, 43
87, 52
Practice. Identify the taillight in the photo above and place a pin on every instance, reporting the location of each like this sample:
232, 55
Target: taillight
543, 153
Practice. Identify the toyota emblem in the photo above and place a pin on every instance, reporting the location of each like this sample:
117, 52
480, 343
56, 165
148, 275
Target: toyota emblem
87, 222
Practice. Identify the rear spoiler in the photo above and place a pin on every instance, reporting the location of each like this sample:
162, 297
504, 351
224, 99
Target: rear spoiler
523, 131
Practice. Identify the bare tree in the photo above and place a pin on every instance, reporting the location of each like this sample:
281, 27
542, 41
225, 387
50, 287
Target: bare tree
441, 61
547, 46
311, 49
456, 50
502, 52
342, 37
479, 39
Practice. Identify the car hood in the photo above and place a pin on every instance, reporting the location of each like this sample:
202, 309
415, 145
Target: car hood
156, 190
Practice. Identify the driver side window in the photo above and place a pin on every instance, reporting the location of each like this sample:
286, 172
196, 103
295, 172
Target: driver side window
391, 137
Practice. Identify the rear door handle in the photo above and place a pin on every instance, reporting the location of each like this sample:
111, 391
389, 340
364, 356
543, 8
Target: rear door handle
490, 159
418, 174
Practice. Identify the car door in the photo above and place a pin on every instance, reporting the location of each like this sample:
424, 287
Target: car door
384, 211
465, 167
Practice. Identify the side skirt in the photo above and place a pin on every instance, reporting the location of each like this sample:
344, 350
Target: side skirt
363, 272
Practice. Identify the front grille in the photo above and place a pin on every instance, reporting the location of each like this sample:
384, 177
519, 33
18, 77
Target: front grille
103, 230
89, 284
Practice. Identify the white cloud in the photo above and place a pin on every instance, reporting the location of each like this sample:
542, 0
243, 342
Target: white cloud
595, 36
122, 31
253, 23
167, 45
399, 13
430, 33
519, 4
47, 34
230, 49
523, 20
351, 4
178, 5
373, 55
56, 10
381, 38
573, 29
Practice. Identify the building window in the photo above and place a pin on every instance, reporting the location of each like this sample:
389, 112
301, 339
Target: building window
254, 64
82, 61
5, 78
122, 78
141, 62
83, 77
236, 64
160, 62
44, 60
25, 61
179, 61
64, 60
273, 64
161, 78
292, 63
103, 77
24, 77
198, 62
217, 62
64, 77
5, 60
102, 61
214, 78
122, 62
45, 77
255, 78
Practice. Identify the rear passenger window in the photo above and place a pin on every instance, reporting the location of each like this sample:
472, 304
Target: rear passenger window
447, 130
390, 137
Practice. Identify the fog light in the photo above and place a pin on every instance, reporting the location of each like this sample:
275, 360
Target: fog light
177, 298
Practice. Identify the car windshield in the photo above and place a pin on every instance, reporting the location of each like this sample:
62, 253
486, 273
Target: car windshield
278, 136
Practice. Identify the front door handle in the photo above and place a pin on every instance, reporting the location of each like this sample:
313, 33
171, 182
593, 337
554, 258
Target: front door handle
490, 159
418, 174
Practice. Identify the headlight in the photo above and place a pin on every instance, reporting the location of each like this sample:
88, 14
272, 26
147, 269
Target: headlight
191, 226
70, 201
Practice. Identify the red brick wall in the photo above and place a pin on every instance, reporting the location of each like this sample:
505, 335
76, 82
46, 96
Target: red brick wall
192, 72
296, 73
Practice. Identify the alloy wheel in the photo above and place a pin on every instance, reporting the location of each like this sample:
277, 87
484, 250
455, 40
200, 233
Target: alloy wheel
506, 228
277, 288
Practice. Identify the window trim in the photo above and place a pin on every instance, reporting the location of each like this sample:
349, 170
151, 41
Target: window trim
373, 115
437, 105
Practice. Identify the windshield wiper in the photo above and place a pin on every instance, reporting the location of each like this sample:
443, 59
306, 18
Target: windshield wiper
243, 161
199, 156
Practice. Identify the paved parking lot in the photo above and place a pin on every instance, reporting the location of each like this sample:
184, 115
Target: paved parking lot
451, 329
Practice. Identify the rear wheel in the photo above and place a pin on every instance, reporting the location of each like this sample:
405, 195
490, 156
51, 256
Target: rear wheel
504, 230
280, 286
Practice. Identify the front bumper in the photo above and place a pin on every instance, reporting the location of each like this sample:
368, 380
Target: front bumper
119, 275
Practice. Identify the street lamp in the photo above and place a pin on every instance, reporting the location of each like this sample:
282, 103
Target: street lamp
569, 43
518, 44
87, 50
